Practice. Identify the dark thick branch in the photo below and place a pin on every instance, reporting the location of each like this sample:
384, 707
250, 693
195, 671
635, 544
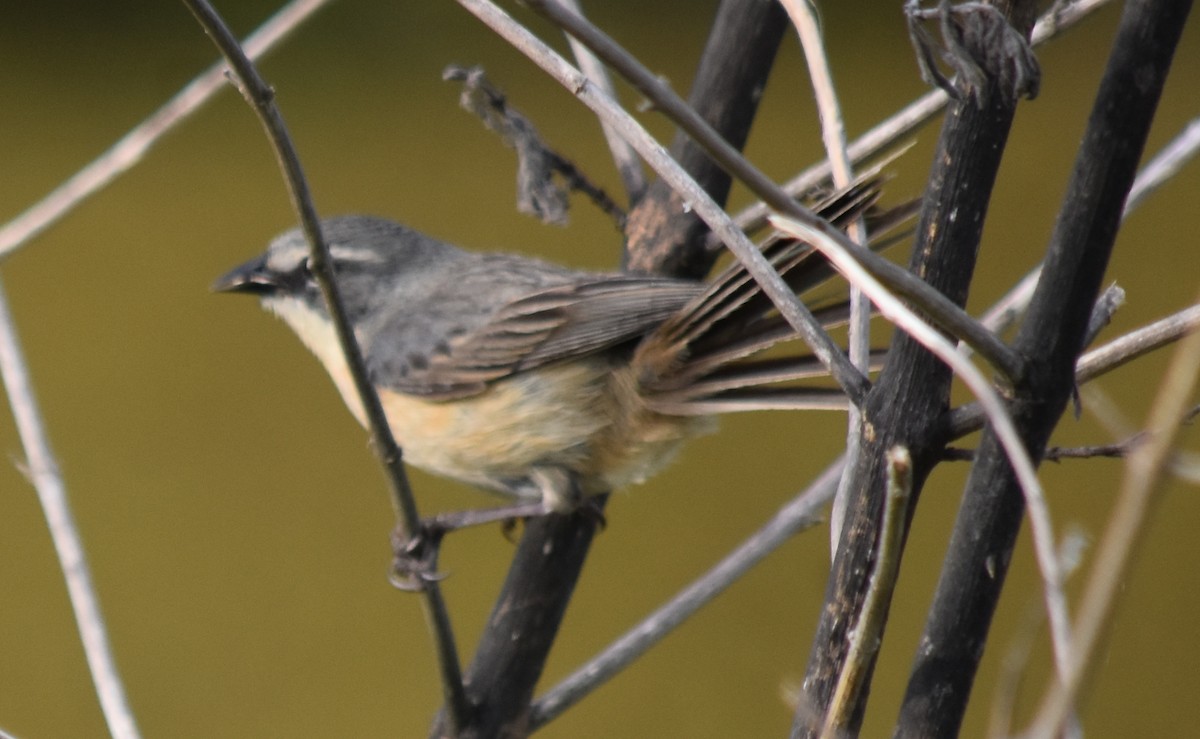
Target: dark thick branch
1051, 339
525, 621
906, 405
662, 235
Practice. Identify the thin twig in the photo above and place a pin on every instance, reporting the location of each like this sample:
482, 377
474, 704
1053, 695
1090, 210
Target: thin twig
1039, 516
852, 382
1116, 449
797, 515
261, 99
1058, 453
1166, 164
1012, 666
885, 135
1125, 349
833, 134
940, 309
52, 494
1184, 465
864, 640
127, 152
1144, 472
1101, 360
624, 156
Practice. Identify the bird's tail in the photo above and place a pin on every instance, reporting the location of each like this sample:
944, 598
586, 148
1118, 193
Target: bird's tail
706, 359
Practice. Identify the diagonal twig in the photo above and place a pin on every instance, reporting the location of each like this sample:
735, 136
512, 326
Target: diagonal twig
833, 133
1144, 472
887, 134
797, 515
853, 382
1039, 513
127, 152
52, 494
624, 155
261, 99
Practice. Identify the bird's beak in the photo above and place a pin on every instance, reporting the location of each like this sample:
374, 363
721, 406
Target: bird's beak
252, 277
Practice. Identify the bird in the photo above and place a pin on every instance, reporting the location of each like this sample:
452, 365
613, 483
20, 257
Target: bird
542, 383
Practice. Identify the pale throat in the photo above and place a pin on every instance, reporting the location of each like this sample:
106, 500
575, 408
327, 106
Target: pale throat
316, 331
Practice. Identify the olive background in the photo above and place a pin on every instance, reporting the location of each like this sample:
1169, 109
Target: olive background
236, 522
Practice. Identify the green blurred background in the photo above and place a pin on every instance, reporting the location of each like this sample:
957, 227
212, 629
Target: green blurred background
237, 523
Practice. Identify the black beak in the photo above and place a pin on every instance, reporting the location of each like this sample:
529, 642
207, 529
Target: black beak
253, 277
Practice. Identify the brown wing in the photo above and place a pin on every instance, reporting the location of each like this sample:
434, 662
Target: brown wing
460, 356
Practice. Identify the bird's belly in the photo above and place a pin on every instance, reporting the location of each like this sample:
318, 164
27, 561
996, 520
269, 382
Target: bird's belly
583, 418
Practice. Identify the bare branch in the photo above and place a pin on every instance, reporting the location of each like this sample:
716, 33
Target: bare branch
868, 631
1051, 336
1039, 513
853, 382
796, 516
886, 135
624, 155
261, 99
134, 145
43, 472
1144, 472
833, 132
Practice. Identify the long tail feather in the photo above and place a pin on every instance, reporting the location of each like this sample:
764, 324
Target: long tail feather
703, 359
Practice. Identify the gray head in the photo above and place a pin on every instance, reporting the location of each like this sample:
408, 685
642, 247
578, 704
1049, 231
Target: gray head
369, 255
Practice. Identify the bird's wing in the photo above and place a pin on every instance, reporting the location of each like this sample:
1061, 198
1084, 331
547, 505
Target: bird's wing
448, 347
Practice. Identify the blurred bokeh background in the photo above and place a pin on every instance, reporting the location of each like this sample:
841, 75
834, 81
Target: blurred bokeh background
236, 522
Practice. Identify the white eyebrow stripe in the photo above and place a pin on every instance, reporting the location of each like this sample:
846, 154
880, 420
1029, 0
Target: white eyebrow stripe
343, 253
286, 258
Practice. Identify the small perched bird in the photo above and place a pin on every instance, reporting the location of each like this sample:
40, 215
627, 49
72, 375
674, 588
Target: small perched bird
530, 379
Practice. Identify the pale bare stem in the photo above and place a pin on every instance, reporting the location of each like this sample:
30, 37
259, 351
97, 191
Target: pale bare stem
134, 145
1134, 344
624, 156
852, 382
1005, 312
916, 114
1016, 658
833, 133
1184, 465
864, 640
797, 515
1006, 433
1144, 471
261, 99
940, 309
1165, 165
1101, 361
42, 469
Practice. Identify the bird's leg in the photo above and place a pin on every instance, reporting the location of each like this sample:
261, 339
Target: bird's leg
415, 557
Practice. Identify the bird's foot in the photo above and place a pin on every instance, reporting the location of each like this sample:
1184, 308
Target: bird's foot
414, 562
